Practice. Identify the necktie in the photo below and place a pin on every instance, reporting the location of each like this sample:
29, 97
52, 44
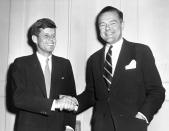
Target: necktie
47, 75
107, 72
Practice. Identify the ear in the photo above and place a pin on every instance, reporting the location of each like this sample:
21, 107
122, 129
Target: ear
34, 39
122, 24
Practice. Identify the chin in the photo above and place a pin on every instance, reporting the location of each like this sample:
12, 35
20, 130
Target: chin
110, 41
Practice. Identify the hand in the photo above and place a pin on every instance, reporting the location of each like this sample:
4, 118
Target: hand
71, 103
66, 103
72, 99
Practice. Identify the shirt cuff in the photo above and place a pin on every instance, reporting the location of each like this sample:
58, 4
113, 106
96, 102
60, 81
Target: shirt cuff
53, 106
144, 117
70, 128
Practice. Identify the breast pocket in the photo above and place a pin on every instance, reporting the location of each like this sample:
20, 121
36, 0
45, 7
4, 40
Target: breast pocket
130, 73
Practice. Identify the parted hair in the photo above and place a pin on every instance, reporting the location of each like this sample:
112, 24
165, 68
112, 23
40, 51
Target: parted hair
42, 24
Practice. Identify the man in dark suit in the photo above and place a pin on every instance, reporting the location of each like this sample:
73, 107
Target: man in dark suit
122, 81
40, 82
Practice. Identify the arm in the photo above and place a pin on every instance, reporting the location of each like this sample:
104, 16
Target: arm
155, 93
87, 98
70, 117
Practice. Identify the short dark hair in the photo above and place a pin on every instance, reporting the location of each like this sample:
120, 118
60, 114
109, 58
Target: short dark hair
42, 23
110, 9
106, 9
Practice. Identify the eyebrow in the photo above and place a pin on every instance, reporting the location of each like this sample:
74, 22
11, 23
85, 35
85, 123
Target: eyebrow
109, 22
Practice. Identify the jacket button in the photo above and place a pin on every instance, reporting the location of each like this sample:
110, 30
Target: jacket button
108, 99
121, 115
43, 112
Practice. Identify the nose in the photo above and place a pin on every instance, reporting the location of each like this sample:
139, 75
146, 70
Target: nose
107, 27
52, 39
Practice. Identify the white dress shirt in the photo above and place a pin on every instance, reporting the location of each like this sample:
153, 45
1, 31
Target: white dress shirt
42, 60
115, 52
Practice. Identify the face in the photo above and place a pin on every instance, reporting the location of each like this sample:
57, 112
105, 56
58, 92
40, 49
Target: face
110, 27
46, 41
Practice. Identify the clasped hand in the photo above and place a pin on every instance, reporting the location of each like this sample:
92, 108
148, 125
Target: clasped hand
65, 102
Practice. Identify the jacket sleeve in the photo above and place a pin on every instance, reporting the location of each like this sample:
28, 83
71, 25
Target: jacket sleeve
155, 93
87, 98
70, 117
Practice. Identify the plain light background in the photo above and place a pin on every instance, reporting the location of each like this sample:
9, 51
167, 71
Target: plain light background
146, 21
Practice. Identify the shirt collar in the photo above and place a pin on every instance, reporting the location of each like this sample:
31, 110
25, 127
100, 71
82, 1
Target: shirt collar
43, 58
118, 44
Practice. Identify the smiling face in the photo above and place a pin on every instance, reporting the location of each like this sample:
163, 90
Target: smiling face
45, 41
110, 26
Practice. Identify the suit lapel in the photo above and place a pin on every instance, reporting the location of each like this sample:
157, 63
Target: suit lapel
38, 75
100, 62
54, 68
125, 56
56, 73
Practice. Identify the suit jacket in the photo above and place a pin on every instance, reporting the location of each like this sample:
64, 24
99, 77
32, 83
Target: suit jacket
132, 90
30, 94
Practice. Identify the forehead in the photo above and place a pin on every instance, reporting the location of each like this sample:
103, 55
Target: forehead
47, 31
109, 16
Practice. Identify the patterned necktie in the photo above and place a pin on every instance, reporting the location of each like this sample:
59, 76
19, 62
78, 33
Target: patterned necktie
47, 75
107, 73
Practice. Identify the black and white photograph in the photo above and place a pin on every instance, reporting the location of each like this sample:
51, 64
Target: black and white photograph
84, 65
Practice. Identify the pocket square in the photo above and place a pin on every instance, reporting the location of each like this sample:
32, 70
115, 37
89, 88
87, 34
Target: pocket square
131, 65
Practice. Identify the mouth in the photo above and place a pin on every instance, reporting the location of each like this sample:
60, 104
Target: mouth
50, 44
109, 35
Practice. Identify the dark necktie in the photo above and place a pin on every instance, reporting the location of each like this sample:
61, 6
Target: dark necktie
107, 72
47, 75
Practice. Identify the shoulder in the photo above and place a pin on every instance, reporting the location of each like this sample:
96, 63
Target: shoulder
142, 51
22, 63
97, 54
139, 47
24, 59
60, 60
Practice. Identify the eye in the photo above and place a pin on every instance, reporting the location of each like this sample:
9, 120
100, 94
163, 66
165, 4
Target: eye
102, 25
53, 36
112, 23
46, 36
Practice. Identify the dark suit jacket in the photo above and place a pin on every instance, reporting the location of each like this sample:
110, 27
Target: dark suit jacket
30, 94
132, 91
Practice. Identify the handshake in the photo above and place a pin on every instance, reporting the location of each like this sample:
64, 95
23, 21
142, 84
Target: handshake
65, 102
